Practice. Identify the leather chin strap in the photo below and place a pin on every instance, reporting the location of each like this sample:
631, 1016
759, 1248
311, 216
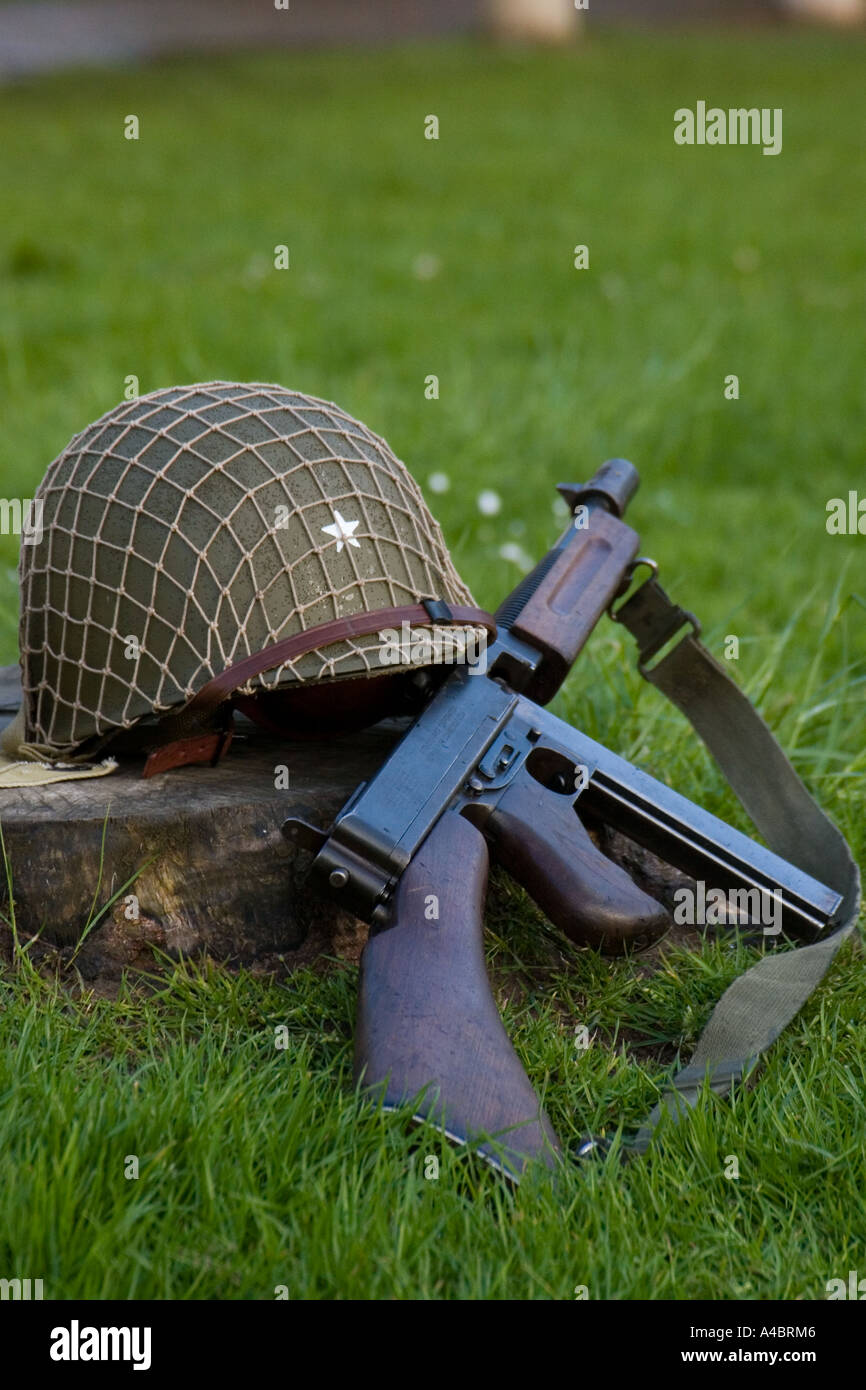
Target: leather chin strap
199, 742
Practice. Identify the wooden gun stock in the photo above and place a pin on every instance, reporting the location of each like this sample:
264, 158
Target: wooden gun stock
426, 1014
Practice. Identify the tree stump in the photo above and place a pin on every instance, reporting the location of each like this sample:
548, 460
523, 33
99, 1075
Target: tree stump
194, 861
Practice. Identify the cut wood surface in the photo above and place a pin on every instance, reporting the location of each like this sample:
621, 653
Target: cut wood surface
195, 860
211, 868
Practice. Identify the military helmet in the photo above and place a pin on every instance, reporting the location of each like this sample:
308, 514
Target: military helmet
221, 540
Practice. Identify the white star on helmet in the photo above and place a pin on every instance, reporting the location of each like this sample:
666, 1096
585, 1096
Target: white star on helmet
343, 531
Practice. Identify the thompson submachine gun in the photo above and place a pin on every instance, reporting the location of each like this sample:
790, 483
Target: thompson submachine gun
484, 770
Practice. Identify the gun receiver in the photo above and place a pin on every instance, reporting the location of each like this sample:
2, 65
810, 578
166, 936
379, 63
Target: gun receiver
483, 751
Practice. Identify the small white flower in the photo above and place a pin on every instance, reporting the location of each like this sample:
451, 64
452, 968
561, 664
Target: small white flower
517, 555
438, 482
489, 502
425, 266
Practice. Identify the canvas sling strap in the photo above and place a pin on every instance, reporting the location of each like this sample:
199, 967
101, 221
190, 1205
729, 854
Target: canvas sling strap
754, 1010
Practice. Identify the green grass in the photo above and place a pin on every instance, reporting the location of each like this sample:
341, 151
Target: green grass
258, 1167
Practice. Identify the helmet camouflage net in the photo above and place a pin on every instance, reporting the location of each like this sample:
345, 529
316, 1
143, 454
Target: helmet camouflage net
197, 525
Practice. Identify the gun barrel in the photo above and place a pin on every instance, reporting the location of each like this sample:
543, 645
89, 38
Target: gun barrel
469, 745
613, 486
685, 835
610, 489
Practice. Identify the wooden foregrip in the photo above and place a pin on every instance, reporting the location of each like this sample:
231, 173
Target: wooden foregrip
426, 1014
536, 835
572, 596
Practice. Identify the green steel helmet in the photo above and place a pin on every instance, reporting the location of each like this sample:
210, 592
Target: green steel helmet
222, 540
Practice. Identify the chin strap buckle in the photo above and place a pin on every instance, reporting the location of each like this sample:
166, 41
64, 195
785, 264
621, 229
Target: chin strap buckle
200, 748
437, 610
